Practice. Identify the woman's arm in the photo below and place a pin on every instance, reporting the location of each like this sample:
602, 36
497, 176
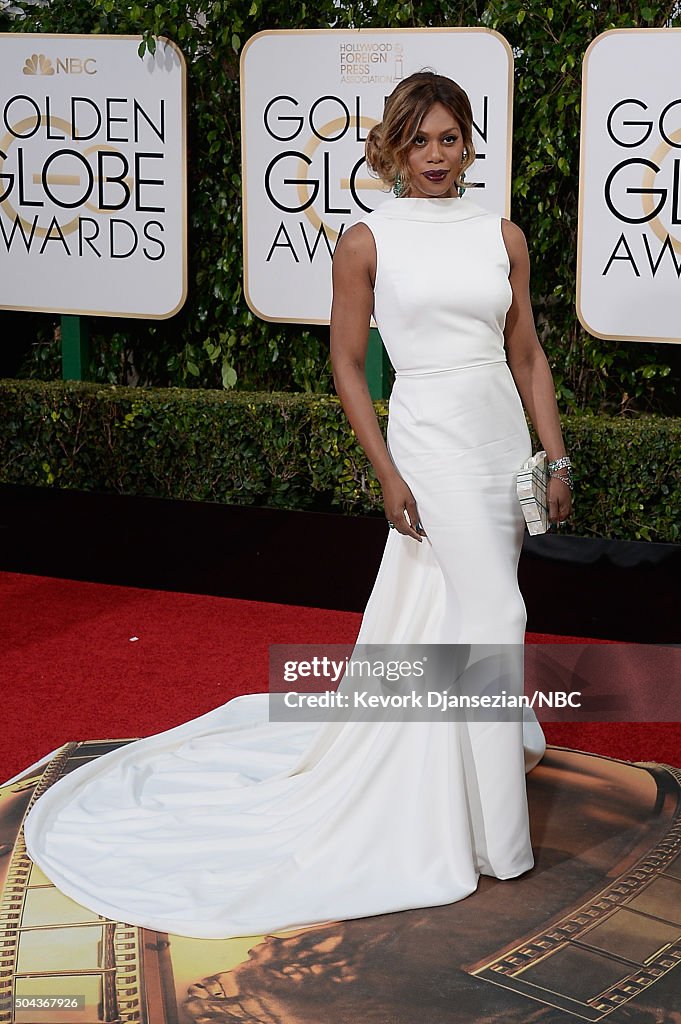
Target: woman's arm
354, 271
530, 367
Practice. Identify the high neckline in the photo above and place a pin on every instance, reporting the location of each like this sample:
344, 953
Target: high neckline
446, 209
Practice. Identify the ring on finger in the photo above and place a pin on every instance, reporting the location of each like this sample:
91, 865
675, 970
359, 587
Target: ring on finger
391, 526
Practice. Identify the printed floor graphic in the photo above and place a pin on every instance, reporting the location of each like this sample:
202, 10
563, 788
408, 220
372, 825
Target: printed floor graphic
592, 933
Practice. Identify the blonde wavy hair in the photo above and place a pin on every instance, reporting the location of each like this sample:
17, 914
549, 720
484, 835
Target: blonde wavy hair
388, 143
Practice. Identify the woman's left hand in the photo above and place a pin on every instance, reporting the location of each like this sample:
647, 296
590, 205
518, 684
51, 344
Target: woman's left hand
560, 501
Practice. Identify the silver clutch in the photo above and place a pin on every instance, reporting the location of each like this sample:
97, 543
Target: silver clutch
531, 484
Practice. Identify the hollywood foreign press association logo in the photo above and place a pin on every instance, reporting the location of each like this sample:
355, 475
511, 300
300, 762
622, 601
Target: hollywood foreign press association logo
38, 64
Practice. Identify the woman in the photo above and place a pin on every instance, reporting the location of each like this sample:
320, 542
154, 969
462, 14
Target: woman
442, 300
448, 284
234, 825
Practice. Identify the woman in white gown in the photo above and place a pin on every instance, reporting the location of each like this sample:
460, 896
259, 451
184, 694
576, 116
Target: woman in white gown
234, 825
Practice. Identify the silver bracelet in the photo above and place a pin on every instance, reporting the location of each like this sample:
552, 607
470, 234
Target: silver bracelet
563, 463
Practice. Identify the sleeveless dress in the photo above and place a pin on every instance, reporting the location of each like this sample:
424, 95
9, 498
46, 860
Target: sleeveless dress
231, 824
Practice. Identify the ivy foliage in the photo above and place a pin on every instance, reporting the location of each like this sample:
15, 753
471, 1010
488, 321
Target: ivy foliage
215, 341
295, 451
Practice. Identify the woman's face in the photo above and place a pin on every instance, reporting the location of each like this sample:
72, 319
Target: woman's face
435, 155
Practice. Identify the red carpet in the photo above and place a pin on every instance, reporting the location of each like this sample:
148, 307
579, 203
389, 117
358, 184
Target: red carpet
72, 670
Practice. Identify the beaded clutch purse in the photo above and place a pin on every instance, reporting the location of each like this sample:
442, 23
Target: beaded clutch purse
531, 484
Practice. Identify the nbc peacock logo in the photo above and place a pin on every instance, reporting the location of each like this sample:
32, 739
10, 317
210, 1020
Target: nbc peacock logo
38, 64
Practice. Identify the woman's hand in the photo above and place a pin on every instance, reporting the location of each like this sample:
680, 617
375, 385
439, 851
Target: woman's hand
398, 499
560, 500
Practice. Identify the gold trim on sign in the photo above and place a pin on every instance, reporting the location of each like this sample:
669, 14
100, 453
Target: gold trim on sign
28, 36
580, 206
356, 32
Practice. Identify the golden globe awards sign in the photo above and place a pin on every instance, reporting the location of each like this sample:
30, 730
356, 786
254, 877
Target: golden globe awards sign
629, 248
92, 176
308, 100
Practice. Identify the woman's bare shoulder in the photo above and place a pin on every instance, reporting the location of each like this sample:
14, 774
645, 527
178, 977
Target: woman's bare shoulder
356, 245
515, 242
357, 240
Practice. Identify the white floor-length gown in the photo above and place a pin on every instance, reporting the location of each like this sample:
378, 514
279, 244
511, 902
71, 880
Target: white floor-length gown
234, 825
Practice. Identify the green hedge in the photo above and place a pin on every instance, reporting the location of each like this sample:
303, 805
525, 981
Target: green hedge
285, 450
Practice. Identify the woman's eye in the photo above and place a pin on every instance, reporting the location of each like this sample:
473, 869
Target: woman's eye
419, 140
451, 139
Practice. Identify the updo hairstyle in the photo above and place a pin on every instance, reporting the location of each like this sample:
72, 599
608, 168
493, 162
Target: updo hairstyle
388, 143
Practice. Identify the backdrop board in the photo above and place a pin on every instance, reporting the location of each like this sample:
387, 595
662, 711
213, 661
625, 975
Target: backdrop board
308, 99
629, 246
92, 176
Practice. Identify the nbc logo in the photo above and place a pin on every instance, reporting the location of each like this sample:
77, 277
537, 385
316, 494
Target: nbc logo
38, 64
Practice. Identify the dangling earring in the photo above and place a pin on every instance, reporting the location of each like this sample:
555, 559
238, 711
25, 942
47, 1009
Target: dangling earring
399, 187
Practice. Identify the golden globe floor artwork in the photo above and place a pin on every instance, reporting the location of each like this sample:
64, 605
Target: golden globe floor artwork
592, 933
